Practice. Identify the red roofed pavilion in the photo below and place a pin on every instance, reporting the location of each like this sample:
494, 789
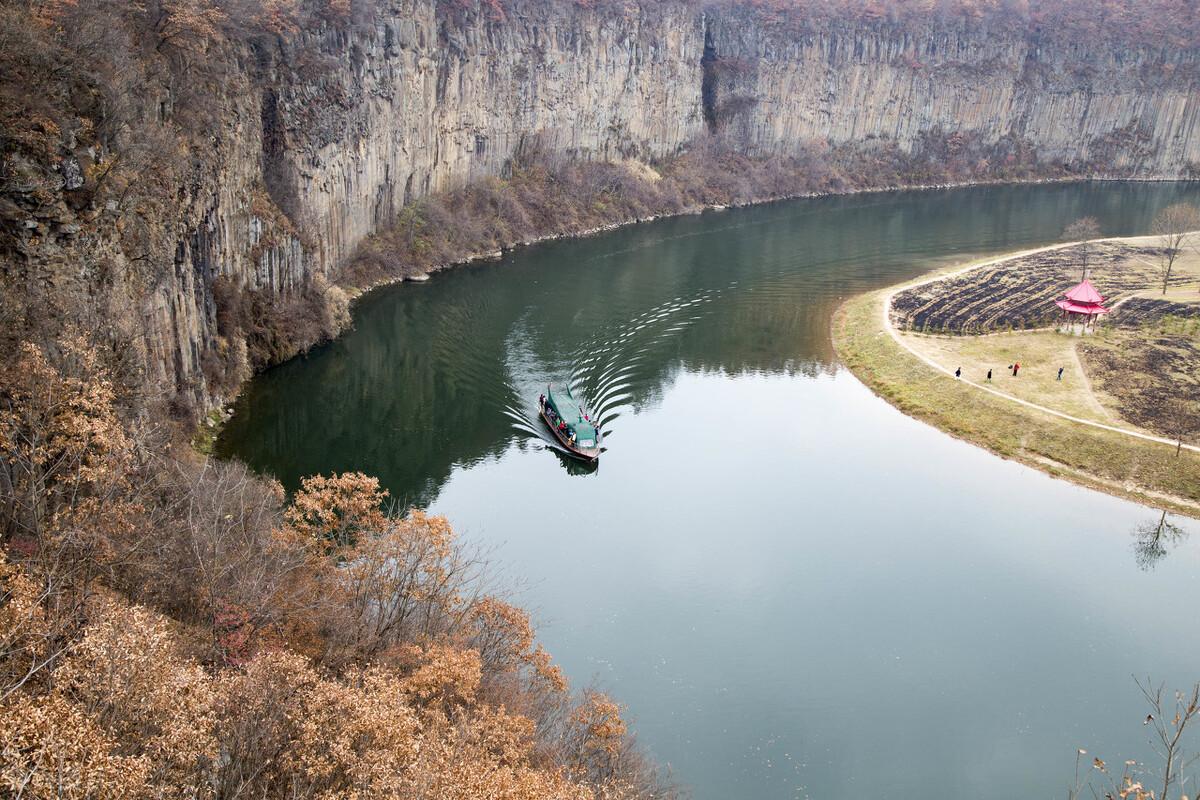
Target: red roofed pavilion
1083, 300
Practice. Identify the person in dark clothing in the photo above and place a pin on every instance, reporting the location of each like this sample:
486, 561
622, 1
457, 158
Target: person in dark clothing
958, 372
989, 375
1060, 372
1016, 368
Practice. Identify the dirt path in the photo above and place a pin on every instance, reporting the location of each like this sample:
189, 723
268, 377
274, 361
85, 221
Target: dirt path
887, 324
1096, 405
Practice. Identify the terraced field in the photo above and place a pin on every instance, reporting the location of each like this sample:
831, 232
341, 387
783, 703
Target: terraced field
1148, 351
1019, 293
1147, 312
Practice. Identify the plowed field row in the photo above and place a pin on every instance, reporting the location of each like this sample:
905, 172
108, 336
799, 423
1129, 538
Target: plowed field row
1019, 293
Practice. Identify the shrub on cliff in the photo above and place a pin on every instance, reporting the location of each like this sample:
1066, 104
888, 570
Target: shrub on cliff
545, 197
320, 648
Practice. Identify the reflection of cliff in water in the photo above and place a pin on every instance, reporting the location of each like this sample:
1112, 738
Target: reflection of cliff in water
447, 373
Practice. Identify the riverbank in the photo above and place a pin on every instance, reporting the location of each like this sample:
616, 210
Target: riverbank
547, 199
1112, 456
356, 288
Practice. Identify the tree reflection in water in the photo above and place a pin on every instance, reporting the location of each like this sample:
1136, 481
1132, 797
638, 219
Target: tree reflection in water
1153, 540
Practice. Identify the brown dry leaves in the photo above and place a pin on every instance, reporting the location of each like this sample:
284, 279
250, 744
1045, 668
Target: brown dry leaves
128, 715
327, 649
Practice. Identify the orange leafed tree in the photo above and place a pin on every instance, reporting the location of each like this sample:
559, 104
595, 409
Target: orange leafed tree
338, 509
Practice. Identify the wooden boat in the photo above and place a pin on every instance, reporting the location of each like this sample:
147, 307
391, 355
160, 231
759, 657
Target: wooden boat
570, 422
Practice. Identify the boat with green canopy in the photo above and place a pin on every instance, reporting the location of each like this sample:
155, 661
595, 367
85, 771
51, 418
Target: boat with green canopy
570, 422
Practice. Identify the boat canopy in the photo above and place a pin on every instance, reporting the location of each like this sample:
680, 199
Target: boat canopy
572, 412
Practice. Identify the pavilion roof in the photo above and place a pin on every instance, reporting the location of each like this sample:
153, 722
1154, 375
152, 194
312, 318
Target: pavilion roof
1085, 293
1081, 308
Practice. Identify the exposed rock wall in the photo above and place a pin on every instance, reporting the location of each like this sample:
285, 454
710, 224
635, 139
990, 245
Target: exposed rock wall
414, 106
1133, 113
326, 134
351, 124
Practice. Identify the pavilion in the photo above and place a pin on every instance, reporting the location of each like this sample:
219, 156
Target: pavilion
1083, 300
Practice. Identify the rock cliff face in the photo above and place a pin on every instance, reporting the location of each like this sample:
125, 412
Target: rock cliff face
350, 125
328, 133
417, 104
1108, 110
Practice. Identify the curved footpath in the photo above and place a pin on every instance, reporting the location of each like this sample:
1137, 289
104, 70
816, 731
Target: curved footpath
1118, 460
886, 319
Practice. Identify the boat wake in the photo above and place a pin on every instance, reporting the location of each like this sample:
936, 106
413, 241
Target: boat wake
612, 370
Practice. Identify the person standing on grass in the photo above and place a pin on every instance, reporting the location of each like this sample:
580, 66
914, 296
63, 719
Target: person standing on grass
1016, 368
1060, 371
958, 372
989, 375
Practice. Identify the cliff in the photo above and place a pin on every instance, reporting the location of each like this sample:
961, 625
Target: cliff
413, 103
417, 104
1129, 111
311, 140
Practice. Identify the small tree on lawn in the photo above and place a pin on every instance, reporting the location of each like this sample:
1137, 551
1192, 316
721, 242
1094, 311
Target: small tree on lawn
1083, 230
1177, 224
1183, 419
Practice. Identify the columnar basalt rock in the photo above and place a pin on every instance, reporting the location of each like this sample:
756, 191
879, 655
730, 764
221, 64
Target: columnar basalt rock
327, 133
1109, 110
416, 105
351, 124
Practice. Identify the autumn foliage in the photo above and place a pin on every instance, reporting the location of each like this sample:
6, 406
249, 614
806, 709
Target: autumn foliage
172, 627
177, 627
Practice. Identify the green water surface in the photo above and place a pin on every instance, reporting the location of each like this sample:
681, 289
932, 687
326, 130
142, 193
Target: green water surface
794, 589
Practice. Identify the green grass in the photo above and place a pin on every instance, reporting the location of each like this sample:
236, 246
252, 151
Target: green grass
1040, 354
1148, 472
205, 437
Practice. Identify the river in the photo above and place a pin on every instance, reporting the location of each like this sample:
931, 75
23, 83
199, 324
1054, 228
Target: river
794, 589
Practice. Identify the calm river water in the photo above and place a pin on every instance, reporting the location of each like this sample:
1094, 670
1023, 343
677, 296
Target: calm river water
795, 589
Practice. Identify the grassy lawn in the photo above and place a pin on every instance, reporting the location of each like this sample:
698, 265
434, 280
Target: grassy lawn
1040, 354
1148, 472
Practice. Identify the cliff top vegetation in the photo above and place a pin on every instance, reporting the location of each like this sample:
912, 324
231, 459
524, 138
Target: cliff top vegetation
1142, 23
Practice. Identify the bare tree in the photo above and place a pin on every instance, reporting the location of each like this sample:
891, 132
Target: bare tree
1083, 230
1178, 225
1183, 420
1169, 720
